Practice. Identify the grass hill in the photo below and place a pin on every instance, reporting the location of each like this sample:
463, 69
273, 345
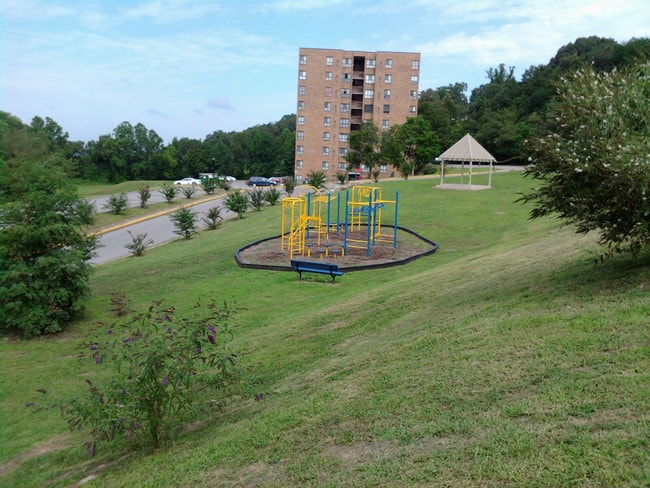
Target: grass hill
506, 359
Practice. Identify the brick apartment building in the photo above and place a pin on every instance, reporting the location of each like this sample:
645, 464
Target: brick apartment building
340, 90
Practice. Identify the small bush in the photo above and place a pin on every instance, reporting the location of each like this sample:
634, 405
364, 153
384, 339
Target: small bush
139, 243
159, 366
256, 197
210, 184
117, 204
289, 185
188, 191
272, 196
429, 169
169, 191
213, 218
237, 202
145, 194
317, 179
341, 177
184, 221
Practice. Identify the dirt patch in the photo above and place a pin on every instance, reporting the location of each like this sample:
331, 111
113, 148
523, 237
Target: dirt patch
410, 245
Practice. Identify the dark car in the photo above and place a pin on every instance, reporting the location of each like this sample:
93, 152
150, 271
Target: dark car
260, 181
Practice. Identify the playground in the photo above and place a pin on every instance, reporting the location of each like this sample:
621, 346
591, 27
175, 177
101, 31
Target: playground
356, 229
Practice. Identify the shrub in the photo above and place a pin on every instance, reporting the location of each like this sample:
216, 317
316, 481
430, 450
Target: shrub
429, 169
341, 177
272, 196
237, 202
184, 221
145, 194
210, 184
168, 191
188, 191
289, 185
117, 204
375, 175
256, 197
317, 179
159, 365
138, 244
213, 218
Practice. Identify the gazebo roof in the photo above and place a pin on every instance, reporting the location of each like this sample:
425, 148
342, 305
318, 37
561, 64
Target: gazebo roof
467, 149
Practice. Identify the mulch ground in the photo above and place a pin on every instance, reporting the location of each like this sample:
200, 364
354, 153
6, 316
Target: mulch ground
270, 252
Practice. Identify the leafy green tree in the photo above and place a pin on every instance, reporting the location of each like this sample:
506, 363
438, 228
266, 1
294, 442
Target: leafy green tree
117, 204
410, 146
43, 248
364, 147
593, 167
237, 202
184, 221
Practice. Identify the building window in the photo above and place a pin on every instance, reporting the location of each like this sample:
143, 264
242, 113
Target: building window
344, 122
327, 121
369, 108
347, 77
325, 166
347, 62
328, 91
345, 107
327, 106
386, 109
383, 168
328, 75
326, 151
329, 61
343, 151
301, 120
299, 164
303, 59
389, 63
370, 78
415, 64
370, 63
301, 105
343, 137
302, 90
412, 109
414, 80
343, 166
414, 95
326, 136
345, 93
303, 75
385, 124
369, 94
300, 149
364, 168
388, 79
386, 93
300, 135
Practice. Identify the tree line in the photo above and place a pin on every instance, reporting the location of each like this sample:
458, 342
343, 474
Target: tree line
501, 114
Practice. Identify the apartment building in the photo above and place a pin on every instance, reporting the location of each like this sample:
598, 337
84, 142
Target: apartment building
339, 91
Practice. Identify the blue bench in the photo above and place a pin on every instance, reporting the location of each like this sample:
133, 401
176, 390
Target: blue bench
316, 267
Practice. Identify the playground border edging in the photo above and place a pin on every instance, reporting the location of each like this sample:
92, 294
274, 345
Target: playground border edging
389, 264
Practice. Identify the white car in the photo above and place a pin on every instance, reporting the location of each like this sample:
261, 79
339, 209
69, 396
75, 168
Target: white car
188, 181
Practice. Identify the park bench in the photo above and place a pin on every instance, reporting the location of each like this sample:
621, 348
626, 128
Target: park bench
316, 267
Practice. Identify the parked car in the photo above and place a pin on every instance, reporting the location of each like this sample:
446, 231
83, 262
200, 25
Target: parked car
228, 178
260, 181
278, 180
187, 181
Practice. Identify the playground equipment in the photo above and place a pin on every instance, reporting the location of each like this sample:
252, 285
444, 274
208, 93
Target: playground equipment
315, 217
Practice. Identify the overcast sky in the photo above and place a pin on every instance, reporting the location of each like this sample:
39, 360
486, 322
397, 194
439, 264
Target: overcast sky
186, 68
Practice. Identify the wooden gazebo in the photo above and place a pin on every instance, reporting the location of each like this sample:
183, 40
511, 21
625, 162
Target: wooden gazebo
466, 150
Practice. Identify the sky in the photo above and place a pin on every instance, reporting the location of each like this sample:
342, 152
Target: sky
187, 68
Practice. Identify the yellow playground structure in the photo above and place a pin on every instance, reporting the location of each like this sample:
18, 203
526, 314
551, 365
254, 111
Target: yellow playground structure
309, 220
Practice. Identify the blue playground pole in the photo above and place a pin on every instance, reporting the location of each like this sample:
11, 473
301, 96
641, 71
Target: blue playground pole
395, 225
338, 212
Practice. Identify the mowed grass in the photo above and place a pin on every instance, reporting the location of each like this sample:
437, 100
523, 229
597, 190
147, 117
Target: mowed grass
505, 359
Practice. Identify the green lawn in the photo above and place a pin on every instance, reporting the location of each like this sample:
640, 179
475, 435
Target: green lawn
505, 359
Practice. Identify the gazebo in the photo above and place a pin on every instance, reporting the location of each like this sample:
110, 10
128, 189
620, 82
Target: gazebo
467, 149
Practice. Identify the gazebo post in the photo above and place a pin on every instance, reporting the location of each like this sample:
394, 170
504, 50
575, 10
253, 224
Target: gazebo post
490, 176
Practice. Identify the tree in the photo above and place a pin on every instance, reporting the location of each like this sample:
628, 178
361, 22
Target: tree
256, 197
117, 204
184, 221
593, 167
237, 202
364, 147
410, 146
43, 249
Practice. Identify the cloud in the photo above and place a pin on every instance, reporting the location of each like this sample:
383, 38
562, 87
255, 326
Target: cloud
220, 103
